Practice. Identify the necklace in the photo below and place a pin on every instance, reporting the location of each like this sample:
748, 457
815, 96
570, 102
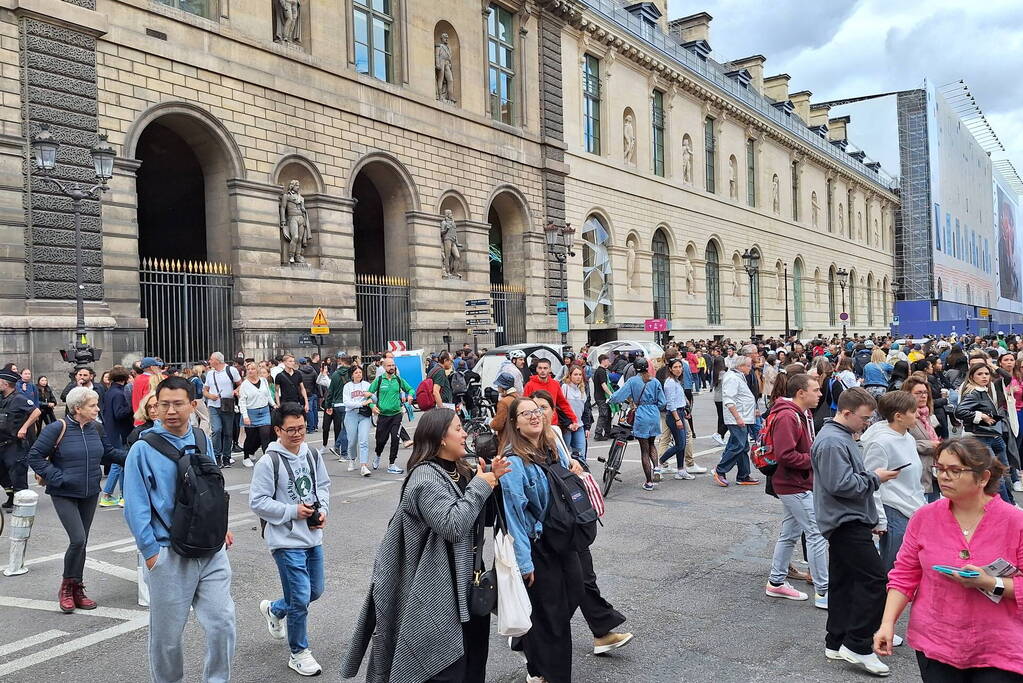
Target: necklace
455, 476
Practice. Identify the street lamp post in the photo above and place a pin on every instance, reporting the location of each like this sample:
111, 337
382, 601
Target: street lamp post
896, 287
751, 262
46, 146
786, 283
559, 245
843, 279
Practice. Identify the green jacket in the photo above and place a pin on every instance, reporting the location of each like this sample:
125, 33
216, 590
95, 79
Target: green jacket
338, 380
387, 393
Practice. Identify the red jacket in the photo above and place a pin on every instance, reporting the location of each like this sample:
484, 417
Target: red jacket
552, 387
792, 434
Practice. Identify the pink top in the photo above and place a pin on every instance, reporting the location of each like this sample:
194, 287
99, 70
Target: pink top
951, 623
1017, 392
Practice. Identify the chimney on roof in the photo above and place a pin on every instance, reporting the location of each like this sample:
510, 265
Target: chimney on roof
837, 131
691, 28
801, 104
818, 116
777, 87
755, 66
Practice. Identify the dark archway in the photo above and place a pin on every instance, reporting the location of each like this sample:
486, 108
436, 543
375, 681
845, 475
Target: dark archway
496, 247
368, 220
171, 197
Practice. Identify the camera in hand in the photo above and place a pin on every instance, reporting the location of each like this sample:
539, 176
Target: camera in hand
315, 519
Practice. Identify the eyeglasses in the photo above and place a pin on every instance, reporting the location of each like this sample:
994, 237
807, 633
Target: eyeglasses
536, 412
293, 431
952, 472
176, 405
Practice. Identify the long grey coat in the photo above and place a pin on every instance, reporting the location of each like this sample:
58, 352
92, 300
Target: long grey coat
413, 613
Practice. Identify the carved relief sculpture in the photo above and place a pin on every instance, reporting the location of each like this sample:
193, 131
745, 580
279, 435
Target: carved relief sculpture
629, 139
630, 264
841, 220
288, 13
733, 178
451, 254
445, 75
295, 229
775, 195
687, 160
736, 289
690, 279
815, 209
779, 279
859, 226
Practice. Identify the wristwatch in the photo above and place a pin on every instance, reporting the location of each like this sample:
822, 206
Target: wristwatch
999, 587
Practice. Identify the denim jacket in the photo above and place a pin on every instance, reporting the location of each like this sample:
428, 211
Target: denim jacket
525, 493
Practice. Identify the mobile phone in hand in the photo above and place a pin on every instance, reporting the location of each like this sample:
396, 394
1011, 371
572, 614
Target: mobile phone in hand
965, 573
900, 467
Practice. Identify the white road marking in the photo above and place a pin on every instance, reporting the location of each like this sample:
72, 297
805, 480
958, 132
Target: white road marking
31, 641
54, 606
112, 569
62, 649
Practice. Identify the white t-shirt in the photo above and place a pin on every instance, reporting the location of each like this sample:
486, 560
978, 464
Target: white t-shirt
220, 382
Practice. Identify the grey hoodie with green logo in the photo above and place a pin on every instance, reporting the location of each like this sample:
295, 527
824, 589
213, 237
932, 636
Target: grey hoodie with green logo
280, 510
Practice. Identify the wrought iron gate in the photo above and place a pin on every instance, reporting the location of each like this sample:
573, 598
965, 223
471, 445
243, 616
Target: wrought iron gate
384, 306
189, 308
509, 314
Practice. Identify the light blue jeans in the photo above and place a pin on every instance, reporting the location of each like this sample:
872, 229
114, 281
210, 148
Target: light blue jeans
113, 479
577, 441
891, 540
799, 518
357, 429
301, 572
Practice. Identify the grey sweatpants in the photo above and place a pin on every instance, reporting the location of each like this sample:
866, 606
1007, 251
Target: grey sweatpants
175, 584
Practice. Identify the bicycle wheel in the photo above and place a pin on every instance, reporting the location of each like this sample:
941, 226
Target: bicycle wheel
613, 463
473, 428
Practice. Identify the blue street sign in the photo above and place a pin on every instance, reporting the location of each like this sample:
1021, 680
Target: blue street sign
563, 317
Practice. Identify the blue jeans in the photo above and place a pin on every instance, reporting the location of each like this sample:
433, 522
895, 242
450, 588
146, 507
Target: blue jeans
358, 426
891, 540
312, 418
577, 441
222, 425
301, 571
736, 453
997, 446
679, 449
341, 444
114, 479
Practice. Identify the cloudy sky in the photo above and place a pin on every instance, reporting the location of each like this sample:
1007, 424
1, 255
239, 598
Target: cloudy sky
846, 48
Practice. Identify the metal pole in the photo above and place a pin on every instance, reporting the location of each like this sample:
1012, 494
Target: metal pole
752, 328
786, 282
76, 204
843, 311
564, 296
21, 528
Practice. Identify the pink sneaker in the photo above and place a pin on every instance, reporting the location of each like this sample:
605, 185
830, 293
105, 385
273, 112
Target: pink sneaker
785, 591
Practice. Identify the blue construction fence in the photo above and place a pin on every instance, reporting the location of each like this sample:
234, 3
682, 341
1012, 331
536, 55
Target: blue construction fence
915, 319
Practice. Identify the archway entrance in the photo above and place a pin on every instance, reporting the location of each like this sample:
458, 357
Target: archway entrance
508, 221
383, 197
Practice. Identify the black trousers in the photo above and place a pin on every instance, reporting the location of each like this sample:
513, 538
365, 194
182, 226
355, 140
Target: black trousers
14, 466
600, 615
856, 588
256, 438
933, 671
75, 515
471, 667
603, 430
554, 597
336, 419
387, 428
719, 406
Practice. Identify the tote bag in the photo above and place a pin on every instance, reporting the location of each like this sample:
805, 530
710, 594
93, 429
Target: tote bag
513, 608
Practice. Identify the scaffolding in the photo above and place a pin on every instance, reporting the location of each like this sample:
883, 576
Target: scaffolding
914, 254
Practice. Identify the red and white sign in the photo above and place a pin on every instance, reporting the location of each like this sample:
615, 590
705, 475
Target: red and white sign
396, 346
656, 325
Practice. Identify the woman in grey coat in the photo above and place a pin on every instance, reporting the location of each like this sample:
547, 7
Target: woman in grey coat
417, 611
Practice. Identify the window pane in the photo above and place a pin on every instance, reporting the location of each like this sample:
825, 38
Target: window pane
380, 35
363, 3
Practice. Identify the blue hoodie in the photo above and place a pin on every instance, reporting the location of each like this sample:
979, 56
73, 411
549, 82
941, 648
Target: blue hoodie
150, 482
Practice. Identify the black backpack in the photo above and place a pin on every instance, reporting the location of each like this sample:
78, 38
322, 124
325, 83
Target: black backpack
571, 521
198, 524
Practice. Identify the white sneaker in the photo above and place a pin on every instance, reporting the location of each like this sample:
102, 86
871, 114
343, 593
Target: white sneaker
897, 640
870, 663
535, 679
1017, 486
366, 471
683, 475
717, 437
696, 469
278, 627
376, 461
247, 461
820, 601
304, 664
351, 465
668, 469
230, 460
832, 654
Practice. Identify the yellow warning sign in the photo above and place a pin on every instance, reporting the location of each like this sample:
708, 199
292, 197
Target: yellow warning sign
320, 324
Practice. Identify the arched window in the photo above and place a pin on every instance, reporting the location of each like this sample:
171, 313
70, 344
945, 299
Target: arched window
832, 315
662, 275
596, 271
870, 300
713, 274
885, 311
797, 292
755, 290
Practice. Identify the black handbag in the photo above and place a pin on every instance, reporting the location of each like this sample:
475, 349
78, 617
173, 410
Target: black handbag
365, 411
483, 592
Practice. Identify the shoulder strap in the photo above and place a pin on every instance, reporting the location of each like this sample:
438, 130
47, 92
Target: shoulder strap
63, 429
162, 445
312, 471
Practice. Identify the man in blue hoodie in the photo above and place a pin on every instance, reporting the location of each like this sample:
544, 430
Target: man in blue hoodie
176, 583
294, 507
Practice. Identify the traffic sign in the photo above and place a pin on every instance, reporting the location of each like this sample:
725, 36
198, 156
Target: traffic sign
320, 324
306, 340
478, 322
563, 326
895, 320
656, 325
397, 346
843, 316
984, 313
469, 303
481, 310
480, 331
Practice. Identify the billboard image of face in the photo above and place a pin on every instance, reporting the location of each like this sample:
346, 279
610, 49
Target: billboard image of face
1009, 275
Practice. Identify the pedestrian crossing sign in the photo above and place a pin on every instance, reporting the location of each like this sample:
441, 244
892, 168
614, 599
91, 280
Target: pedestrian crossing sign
320, 324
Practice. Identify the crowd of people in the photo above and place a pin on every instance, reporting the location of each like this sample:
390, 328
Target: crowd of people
895, 464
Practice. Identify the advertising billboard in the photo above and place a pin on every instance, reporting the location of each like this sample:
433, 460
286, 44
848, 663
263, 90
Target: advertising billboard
964, 243
1010, 247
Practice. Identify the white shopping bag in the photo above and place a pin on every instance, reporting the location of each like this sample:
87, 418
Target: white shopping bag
143, 586
513, 608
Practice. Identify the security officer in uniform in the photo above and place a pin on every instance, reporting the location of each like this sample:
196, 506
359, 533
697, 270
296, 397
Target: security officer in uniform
17, 415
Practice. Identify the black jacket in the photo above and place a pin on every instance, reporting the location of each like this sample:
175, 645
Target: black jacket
73, 468
979, 402
96, 386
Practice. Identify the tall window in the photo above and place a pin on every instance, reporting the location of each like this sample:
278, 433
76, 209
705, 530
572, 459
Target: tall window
797, 292
870, 301
500, 55
373, 38
852, 298
708, 146
795, 190
662, 276
831, 205
591, 104
851, 199
751, 172
885, 311
832, 316
713, 274
203, 8
596, 271
657, 115
755, 291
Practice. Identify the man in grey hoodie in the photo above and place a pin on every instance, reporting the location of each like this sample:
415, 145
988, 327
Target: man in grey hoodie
843, 493
290, 492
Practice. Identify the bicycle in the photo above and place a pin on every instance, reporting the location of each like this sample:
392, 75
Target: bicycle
621, 434
474, 428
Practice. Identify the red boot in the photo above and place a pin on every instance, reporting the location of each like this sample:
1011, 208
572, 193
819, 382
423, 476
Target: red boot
66, 596
82, 601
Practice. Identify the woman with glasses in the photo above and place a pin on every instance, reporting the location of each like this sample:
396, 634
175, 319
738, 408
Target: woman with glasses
964, 628
146, 417
978, 409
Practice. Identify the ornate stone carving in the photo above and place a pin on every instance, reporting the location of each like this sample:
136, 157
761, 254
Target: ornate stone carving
630, 264
736, 288
775, 195
815, 209
733, 178
687, 160
779, 280
442, 68
629, 138
451, 253
690, 278
295, 229
288, 14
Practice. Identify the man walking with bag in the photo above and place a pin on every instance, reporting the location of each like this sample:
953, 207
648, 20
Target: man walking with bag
290, 492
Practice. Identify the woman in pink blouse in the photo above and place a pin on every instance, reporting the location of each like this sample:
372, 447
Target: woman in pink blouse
963, 629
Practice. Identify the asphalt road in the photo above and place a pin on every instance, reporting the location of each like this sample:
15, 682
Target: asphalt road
686, 564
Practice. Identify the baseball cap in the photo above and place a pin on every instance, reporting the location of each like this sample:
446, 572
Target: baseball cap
303, 360
868, 344
150, 361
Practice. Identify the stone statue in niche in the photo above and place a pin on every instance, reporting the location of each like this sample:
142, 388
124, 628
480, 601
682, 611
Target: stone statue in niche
629, 139
690, 279
877, 234
687, 160
841, 220
630, 264
859, 226
779, 280
815, 209
442, 66
736, 288
775, 195
817, 289
287, 14
451, 251
295, 227
733, 178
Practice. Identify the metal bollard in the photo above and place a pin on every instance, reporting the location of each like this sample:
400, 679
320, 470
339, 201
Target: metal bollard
22, 518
